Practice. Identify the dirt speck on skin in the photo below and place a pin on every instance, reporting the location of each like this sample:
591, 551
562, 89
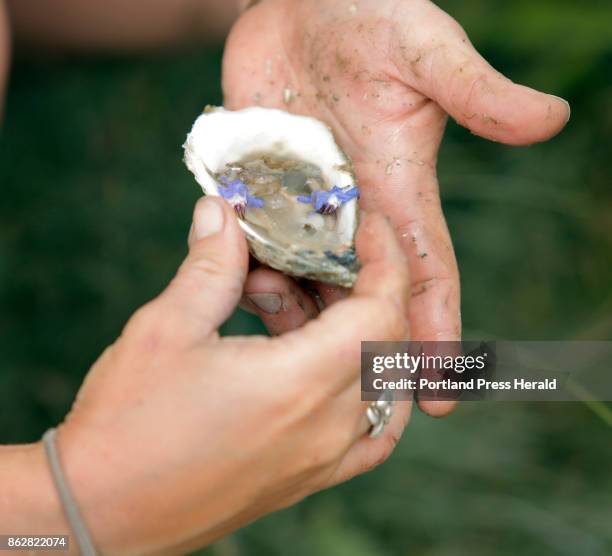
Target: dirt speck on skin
396, 162
335, 98
326, 78
366, 130
390, 166
380, 81
414, 64
289, 95
342, 62
467, 117
405, 53
420, 289
422, 255
489, 119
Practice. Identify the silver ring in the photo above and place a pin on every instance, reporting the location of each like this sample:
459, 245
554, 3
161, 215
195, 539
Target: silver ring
379, 414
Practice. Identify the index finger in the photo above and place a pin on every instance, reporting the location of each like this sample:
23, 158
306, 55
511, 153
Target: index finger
409, 196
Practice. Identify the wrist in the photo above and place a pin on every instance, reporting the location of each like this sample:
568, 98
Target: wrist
98, 488
29, 504
120, 500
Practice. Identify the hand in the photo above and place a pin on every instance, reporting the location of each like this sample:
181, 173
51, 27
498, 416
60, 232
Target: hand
179, 436
383, 74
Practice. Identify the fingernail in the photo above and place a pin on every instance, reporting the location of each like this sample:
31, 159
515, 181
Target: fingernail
246, 306
569, 108
208, 218
270, 303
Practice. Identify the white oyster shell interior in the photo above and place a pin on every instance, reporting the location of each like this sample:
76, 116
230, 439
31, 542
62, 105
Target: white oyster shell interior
226, 144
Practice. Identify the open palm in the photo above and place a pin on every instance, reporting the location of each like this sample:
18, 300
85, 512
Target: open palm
383, 74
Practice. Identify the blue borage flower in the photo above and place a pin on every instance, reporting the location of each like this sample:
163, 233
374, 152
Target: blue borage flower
328, 202
236, 193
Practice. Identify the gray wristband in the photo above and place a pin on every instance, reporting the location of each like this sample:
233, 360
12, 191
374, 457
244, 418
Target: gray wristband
75, 520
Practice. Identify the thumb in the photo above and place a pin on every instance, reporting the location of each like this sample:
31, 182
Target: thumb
209, 283
449, 70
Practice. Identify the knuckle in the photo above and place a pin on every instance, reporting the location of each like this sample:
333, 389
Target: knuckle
321, 452
148, 327
195, 272
329, 451
448, 26
339, 440
475, 84
346, 440
330, 436
456, 28
145, 318
329, 440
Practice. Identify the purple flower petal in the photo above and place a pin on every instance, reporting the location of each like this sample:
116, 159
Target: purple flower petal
254, 202
328, 202
306, 199
237, 194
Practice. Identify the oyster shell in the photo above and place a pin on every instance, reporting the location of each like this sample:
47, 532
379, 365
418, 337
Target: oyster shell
291, 185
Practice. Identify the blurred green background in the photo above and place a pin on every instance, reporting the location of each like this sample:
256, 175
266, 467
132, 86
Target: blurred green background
95, 210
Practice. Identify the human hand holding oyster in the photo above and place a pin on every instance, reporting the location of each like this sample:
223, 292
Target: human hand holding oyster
383, 74
178, 436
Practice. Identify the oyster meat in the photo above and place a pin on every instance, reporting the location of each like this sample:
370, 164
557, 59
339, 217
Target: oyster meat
292, 187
